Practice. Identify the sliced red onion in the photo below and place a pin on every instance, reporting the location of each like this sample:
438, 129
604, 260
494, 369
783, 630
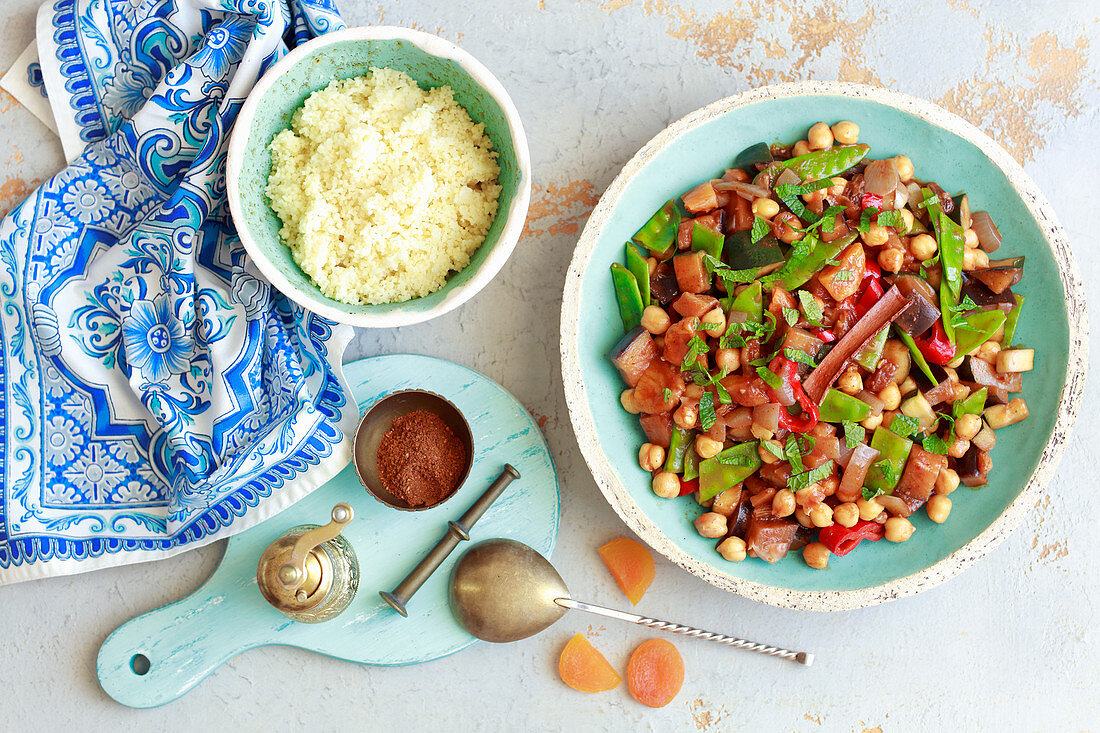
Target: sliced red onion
880, 177
785, 394
744, 190
893, 504
787, 177
901, 196
872, 401
767, 416
989, 237
851, 483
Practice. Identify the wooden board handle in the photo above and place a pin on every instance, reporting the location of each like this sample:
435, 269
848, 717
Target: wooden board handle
153, 659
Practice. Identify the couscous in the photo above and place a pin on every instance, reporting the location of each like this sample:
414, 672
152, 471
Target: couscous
383, 188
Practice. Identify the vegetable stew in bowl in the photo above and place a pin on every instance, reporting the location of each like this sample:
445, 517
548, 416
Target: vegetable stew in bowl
802, 267
737, 263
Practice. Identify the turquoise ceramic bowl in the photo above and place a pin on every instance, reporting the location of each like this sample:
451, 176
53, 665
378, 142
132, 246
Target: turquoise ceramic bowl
943, 148
432, 62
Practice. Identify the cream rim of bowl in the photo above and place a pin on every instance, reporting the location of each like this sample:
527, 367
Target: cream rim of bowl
515, 216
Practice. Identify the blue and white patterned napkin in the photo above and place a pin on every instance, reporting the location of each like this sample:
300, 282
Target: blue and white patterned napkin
157, 393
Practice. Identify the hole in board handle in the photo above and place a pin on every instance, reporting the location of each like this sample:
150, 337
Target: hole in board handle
139, 665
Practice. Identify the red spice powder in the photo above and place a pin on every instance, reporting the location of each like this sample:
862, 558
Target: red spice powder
420, 459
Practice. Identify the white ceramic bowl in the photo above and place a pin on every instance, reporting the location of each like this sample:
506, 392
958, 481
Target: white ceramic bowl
432, 62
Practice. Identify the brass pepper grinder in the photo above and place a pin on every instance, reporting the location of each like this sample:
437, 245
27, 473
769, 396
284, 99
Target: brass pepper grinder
310, 574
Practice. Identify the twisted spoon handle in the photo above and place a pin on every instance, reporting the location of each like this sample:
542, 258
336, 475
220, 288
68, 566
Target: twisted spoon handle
801, 657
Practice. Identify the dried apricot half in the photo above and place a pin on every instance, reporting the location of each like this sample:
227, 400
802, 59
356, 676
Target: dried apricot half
583, 668
631, 564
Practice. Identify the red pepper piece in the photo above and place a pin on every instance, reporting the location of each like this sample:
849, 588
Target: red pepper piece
788, 372
689, 487
842, 540
871, 199
870, 296
824, 334
935, 346
872, 270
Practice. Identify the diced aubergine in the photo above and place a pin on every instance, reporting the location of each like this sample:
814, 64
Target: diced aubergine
985, 298
802, 537
770, 538
919, 478
662, 284
740, 518
633, 355
692, 275
658, 429
693, 304
659, 389
998, 279
922, 310
758, 154
986, 375
741, 254
974, 467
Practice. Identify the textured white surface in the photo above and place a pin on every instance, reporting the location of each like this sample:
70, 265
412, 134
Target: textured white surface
1010, 644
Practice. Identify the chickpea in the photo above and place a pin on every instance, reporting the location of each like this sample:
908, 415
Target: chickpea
821, 515
868, 509
891, 259
765, 208
907, 385
788, 234
807, 495
760, 432
814, 198
732, 548
802, 518
975, 259
923, 247
907, 221
686, 416
707, 447
988, 351
765, 455
905, 168
713, 322
947, 481
820, 137
728, 359
846, 514
850, 382
938, 508
655, 319
876, 236
871, 422
711, 525
898, 529
628, 402
970, 238
897, 352
829, 485
967, 426
846, 133
816, 555
693, 391
666, 484
783, 503
651, 457
800, 148
651, 264
958, 447
890, 396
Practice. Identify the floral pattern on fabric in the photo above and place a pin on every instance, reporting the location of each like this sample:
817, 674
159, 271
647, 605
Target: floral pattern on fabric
158, 393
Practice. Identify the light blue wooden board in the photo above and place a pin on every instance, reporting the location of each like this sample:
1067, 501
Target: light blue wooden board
185, 641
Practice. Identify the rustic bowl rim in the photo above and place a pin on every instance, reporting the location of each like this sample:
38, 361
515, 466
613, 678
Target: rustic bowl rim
829, 600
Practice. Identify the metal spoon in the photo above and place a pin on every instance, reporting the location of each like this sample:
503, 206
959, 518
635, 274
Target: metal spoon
502, 590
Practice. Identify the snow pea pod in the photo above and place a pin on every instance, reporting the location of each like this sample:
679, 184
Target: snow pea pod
979, 328
893, 452
727, 469
750, 302
838, 407
640, 269
918, 357
826, 163
705, 239
677, 449
659, 233
807, 259
868, 356
628, 295
1011, 322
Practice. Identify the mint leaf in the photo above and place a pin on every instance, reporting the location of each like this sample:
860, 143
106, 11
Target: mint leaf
770, 378
800, 356
868, 494
904, 425
865, 219
760, 228
793, 455
790, 315
934, 444
772, 448
891, 219
668, 395
854, 434
706, 411
811, 308
808, 478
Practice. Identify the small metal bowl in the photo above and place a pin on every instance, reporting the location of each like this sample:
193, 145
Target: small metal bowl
379, 419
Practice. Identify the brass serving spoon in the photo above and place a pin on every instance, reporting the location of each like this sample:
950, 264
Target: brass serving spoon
502, 590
